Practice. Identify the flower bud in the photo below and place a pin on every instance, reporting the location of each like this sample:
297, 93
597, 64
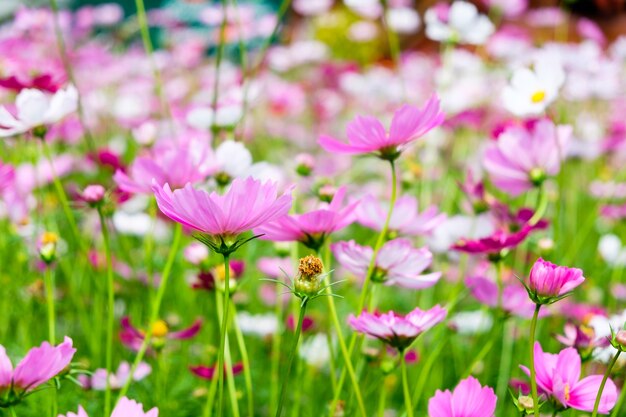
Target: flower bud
525, 402
308, 280
620, 337
305, 164
93, 194
327, 192
48, 247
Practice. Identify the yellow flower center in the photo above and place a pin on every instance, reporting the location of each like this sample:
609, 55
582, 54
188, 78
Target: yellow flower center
48, 238
538, 96
566, 392
159, 329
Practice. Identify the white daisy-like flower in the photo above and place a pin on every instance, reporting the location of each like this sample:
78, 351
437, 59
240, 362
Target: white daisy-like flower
458, 23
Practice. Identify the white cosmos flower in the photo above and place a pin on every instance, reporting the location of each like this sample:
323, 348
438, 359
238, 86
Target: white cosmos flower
233, 158
203, 118
471, 322
460, 23
531, 91
403, 20
314, 350
262, 325
611, 250
35, 108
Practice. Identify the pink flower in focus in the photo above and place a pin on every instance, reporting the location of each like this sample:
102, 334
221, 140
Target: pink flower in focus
312, 228
395, 330
550, 280
558, 376
38, 366
397, 263
367, 135
247, 204
523, 158
405, 218
469, 399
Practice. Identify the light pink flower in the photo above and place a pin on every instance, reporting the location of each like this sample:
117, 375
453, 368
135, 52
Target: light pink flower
405, 218
550, 280
558, 376
38, 366
469, 399
398, 331
367, 135
93, 193
247, 204
124, 408
397, 263
313, 227
523, 158
98, 380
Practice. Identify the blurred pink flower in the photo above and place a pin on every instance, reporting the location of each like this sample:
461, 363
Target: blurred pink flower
514, 298
405, 218
98, 379
132, 337
367, 135
469, 399
558, 375
523, 158
395, 330
207, 372
397, 263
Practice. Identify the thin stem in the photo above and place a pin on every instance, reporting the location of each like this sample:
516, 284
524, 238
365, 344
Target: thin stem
227, 369
603, 383
13, 413
382, 400
223, 331
156, 306
620, 402
394, 47
247, 374
542, 205
218, 62
292, 355
405, 387
110, 312
49, 282
506, 357
275, 355
533, 378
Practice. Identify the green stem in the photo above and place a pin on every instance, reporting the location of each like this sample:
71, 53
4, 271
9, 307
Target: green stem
275, 355
247, 374
603, 383
13, 413
227, 368
292, 355
223, 332
506, 358
156, 306
218, 61
382, 399
405, 387
110, 312
542, 205
533, 378
49, 282
620, 402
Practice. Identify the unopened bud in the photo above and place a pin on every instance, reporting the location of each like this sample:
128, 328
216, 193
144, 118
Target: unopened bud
525, 402
620, 337
93, 194
305, 164
308, 279
48, 247
327, 192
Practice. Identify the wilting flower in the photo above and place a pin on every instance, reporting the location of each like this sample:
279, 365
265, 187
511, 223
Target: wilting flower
396, 330
312, 228
247, 204
36, 109
405, 218
558, 376
532, 91
38, 366
367, 135
132, 337
170, 163
549, 282
124, 408
522, 158
98, 381
397, 263
208, 372
469, 399
457, 23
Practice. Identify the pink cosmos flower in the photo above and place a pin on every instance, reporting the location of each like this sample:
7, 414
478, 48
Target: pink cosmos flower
550, 280
367, 135
93, 193
117, 380
124, 408
170, 163
132, 337
469, 399
247, 204
38, 366
558, 376
405, 218
523, 158
514, 298
395, 330
397, 263
208, 372
312, 228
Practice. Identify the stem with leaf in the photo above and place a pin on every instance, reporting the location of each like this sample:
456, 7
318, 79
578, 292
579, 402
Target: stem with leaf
603, 383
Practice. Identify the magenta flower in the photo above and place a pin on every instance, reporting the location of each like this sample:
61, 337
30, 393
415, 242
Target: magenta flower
247, 204
469, 399
395, 330
124, 408
132, 337
522, 158
170, 163
550, 281
38, 366
367, 135
397, 263
405, 217
312, 228
208, 372
558, 376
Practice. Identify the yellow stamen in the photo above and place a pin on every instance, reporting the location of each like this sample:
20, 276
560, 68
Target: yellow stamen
159, 328
49, 237
538, 96
566, 392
